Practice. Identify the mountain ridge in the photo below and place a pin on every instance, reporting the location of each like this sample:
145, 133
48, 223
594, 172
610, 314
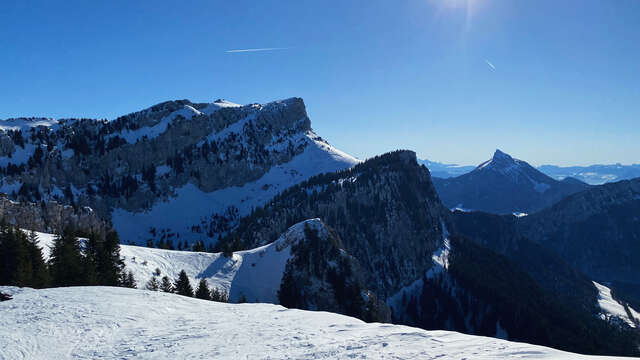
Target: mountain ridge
214, 160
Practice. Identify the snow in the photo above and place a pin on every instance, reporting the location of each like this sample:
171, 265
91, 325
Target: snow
24, 124
255, 274
7, 187
520, 214
20, 155
461, 208
612, 308
45, 241
132, 136
195, 204
218, 104
235, 128
440, 258
118, 323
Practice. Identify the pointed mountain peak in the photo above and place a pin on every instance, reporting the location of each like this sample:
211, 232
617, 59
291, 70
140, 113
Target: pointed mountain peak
500, 160
501, 155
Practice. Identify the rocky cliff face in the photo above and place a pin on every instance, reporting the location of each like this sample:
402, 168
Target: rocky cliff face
176, 170
49, 217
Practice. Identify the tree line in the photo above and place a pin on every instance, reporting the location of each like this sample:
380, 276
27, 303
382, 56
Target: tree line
76, 259
182, 286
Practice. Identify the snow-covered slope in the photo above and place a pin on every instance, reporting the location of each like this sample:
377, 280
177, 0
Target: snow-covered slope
613, 310
117, 323
255, 274
194, 204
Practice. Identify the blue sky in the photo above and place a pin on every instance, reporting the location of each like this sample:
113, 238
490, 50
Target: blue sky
547, 81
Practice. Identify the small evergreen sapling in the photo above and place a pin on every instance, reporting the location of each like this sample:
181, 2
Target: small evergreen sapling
153, 284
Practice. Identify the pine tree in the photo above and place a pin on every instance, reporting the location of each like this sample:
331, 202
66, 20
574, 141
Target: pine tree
182, 285
21, 260
40, 270
66, 260
153, 284
15, 261
203, 291
166, 285
110, 265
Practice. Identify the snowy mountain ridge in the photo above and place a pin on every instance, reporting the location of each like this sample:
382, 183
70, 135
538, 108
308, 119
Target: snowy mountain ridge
215, 161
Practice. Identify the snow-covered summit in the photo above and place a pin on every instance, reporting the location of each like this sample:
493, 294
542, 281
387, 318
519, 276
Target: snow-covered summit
176, 171
502, 162
515, 170
504, 184
116, 323
24, 124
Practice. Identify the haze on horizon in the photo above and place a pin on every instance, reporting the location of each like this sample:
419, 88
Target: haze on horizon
547, 82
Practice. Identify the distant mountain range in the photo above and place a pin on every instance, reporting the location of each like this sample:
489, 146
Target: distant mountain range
504, 185
442, 170
592, 174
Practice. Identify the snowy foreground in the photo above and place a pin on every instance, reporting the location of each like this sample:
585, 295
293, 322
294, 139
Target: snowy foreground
116, 323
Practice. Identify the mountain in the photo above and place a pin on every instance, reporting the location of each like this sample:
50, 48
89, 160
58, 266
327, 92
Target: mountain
112, 323
375, 242
213, 161
414, 258
593, 174
588, 236
385, 210
597, 231
442, 170
504, 185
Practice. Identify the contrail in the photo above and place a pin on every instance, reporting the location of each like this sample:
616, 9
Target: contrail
490, 64
253, 50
